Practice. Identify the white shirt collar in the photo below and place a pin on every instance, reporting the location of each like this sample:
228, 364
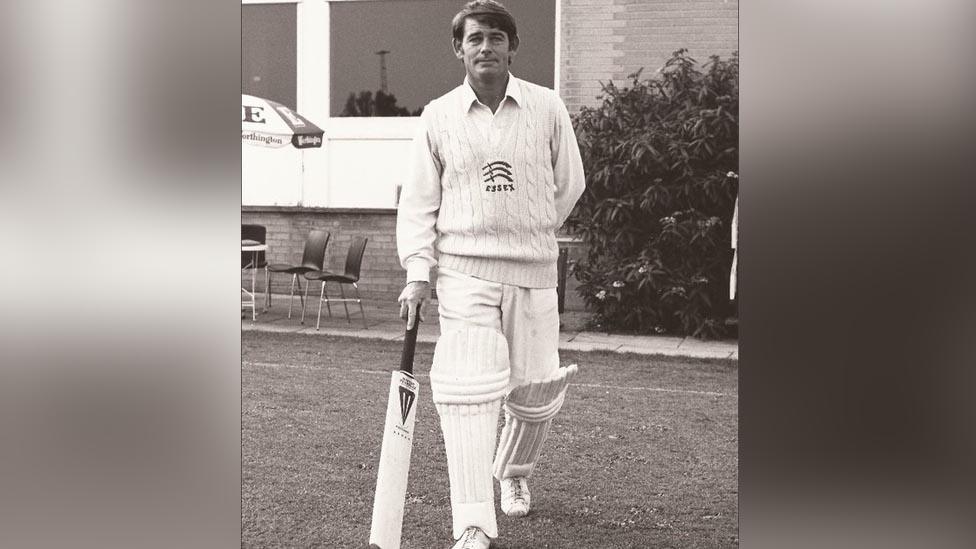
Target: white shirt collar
468, 97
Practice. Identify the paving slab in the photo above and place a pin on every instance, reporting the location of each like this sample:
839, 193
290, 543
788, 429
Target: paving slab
703, 353
383, 324
697, 348
652, 343
585, 347
605, 339
565, 337
646, 350
721, 343
268, 327
427, 333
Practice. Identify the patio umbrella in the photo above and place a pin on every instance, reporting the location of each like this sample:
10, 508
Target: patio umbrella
270, 124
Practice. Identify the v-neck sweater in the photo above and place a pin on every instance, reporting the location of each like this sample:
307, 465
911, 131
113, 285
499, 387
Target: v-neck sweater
488, 192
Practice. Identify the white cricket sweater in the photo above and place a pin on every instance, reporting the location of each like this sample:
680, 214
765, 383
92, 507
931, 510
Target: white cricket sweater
489, 192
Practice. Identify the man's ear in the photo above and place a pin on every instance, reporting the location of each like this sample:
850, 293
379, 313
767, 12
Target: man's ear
512, 50
456, 46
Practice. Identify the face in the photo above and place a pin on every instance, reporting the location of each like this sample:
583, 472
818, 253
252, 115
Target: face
486, 52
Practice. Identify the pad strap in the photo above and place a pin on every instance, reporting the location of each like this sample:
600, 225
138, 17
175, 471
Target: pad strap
474, 389
529, 410
536, 413
470, 366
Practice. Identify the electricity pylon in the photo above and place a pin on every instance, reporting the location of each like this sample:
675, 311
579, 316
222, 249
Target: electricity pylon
382, 54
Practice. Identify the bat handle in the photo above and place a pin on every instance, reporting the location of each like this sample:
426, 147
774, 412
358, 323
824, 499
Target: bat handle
409, 346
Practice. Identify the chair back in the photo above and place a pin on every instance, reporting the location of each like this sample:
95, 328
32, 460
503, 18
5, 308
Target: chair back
354, 259
258, 233
314, 255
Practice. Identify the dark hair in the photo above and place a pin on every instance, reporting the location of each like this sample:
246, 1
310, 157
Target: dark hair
486, 12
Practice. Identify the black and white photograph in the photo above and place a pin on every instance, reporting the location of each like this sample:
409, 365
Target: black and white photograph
488, 274
514, 274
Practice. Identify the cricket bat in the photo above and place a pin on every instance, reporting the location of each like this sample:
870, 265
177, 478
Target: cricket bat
391, 476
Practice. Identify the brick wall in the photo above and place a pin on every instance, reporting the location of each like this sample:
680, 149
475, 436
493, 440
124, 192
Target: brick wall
381, 275
603, 40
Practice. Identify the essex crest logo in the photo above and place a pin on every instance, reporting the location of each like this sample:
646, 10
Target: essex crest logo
496, 170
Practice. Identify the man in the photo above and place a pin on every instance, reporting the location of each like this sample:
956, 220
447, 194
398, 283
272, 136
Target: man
496, 171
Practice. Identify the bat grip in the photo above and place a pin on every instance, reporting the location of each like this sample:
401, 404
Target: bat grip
409, 346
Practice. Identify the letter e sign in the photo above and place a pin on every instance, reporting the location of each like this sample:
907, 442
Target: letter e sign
253, 114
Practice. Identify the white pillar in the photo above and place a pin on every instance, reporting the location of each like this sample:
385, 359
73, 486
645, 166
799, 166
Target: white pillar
557, 47
313, 93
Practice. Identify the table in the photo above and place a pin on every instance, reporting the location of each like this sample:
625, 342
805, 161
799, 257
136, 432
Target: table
249, 301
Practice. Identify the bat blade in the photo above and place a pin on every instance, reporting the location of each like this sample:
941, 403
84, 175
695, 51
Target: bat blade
391, 475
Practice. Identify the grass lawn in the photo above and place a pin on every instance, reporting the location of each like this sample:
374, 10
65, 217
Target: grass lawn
643, 454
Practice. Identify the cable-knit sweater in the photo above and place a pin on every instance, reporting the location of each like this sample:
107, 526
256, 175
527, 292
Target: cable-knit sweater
488, 191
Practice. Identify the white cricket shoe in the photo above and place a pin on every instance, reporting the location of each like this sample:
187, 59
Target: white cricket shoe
472, 538
515, 496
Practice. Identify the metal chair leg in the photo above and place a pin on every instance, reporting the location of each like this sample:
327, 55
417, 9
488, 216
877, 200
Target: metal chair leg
343, 294
291, 296
305, 300
254, 299
327, 306
267, 289
361, 310
318, 319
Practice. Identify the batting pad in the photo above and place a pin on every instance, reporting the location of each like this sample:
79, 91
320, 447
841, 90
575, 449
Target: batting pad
468, 378
529, 410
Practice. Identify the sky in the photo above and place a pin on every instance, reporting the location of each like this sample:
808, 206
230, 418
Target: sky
421, 65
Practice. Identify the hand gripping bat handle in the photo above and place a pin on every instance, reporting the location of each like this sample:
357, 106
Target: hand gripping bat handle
409, 346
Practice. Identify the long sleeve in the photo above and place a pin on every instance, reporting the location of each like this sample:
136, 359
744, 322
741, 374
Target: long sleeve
567, 165
420, 200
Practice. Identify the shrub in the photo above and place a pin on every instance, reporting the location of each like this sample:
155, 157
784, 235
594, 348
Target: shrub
661, 159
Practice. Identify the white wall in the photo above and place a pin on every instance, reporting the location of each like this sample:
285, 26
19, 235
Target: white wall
367, 159
271, 177
360, 165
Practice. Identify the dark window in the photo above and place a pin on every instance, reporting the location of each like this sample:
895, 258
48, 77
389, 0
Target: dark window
420, 64
269, 52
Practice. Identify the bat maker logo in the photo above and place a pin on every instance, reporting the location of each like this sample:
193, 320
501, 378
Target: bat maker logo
498, 169
406, 402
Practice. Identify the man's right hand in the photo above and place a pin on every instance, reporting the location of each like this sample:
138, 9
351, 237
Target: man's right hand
412, 300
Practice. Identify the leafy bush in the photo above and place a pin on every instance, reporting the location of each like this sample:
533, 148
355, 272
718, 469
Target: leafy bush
661, 159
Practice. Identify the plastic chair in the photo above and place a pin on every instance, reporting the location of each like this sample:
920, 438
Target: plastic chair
251, 261
354, 261
257, 233
313, 259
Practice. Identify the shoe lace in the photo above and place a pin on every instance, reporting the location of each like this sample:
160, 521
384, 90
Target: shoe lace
517, 490
470, 539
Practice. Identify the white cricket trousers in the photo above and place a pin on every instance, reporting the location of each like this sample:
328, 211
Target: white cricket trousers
527, 317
